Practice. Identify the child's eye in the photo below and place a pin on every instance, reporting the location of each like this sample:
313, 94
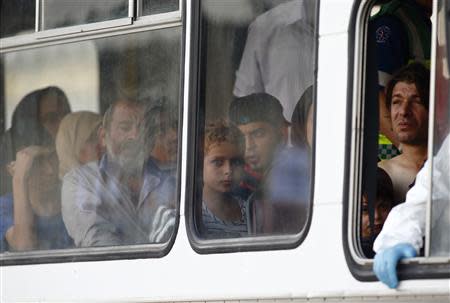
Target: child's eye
217, 162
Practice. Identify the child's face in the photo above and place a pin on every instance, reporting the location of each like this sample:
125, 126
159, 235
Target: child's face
222, 166
380, 214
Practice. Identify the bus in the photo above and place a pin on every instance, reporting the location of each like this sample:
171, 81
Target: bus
190, 60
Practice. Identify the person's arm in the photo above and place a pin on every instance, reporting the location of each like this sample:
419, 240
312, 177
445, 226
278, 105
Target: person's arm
81, 210
248, 76
22, 235
404, 228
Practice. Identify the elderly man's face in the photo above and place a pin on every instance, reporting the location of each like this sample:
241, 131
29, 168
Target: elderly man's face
123, 138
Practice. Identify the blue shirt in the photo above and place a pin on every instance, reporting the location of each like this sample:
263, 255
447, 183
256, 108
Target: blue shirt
50, 231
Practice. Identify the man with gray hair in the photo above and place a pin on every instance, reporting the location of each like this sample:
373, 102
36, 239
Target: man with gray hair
122, 199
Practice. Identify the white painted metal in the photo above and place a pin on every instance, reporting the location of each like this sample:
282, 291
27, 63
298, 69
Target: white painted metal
314, 272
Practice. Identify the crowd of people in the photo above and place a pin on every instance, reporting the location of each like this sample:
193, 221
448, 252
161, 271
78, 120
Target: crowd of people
77, 179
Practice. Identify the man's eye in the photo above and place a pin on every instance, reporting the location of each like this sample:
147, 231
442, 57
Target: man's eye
125, 127
418, 101
259, 133
395, 101
237, 162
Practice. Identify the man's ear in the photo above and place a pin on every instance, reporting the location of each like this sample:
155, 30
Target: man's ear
285, 132
101, 133
10, 168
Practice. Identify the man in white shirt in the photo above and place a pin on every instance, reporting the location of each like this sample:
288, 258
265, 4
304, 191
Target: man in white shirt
278, 58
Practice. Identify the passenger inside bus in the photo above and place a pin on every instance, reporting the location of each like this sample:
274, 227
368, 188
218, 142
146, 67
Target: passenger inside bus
223, 213
407, 101
165, 147
278, 55
402, 33
77, 141
373, 216
43, 108
123, 198
273, 206
302, 121
31, 212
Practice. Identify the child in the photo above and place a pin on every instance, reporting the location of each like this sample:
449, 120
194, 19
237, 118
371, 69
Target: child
223, 215
383, 205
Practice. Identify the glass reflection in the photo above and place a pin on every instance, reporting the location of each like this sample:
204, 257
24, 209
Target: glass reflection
57, 13
116, 153
258, 62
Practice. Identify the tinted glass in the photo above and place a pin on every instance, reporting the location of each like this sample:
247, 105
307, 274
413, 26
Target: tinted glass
16, 17
60, 13
82, 179
254, 172
151, 7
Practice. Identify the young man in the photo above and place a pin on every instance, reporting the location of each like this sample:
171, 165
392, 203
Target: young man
284, 173
407, 100
120, 199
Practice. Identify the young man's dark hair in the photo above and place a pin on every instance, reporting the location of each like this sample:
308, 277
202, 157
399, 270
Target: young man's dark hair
259, 107
414, 73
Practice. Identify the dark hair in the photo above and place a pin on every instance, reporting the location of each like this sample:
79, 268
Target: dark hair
413, 73
385, 188
26, 128
300, 118
259, 107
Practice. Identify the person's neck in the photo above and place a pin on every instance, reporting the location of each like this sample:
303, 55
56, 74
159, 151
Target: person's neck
415, 154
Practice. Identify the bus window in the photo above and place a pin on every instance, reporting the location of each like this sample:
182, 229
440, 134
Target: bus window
255, 129
440, 201
90, 148
57, 13
151, 7
16, 17
400, 121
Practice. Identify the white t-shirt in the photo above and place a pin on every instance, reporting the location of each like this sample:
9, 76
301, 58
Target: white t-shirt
278, 58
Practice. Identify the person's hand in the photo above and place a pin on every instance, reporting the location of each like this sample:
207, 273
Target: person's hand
24, 160
385, 262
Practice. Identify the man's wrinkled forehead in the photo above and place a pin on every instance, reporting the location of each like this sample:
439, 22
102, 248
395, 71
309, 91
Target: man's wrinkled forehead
127, 111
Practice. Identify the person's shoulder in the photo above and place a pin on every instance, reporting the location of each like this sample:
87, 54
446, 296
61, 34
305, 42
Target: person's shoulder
280, 16
87, 171
389, 165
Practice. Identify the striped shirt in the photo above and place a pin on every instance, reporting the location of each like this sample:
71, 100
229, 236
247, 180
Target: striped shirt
215, 228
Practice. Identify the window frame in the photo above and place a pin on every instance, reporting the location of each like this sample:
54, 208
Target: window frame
361, 267
92, 30
196, 121
150, 23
